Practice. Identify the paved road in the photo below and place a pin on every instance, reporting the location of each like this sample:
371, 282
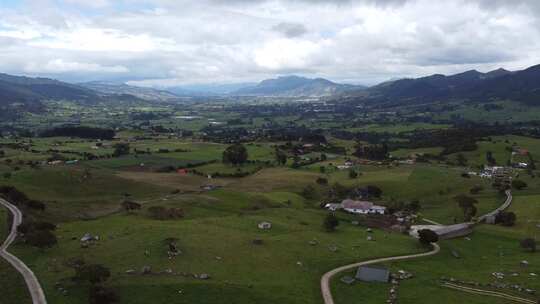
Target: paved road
325, 280
503, 207
38, 296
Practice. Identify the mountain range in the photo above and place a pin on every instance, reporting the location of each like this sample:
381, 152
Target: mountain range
295, 86
522, 86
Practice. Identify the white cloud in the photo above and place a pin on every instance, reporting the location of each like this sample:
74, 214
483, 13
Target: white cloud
61, 66
173, 42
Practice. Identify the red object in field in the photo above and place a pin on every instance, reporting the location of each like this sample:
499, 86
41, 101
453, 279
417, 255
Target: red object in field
523, 152
182, 171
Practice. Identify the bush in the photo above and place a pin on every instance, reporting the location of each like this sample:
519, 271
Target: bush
322, 181
506, 218
130, 205
162, 213
41, 238
519, 184
102, 295
427, 236
330, 222
93, 273
528, 243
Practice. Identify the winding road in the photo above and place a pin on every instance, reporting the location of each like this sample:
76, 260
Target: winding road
38, 296
325, 280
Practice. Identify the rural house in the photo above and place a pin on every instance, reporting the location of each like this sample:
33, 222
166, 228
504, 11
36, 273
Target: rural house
362, 207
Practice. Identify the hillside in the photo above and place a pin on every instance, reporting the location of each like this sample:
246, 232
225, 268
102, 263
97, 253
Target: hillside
27, 90
522, 86
110, 88
292, 86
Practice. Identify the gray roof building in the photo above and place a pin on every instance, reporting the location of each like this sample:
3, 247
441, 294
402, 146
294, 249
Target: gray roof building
373, 273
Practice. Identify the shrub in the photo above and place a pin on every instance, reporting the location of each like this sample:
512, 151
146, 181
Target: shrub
528, 243
427, 236
519, 184
330, 222
93, 273
322, 181
506, 218
102, 295
41, 238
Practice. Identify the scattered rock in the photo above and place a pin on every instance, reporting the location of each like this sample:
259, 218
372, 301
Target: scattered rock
146, 270
204, 276
131, 271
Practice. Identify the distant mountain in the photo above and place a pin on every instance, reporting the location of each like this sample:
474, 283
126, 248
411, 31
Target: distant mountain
112, 88
209, 89
27, 90
295, 86
523, 86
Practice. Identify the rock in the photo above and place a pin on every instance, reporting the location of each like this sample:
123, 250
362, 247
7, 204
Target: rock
146, 270
313, 242
131, 271
333, 248
204, 276
257, 242
524, 263
347, 280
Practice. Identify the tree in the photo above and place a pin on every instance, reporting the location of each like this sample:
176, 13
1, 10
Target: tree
374, 191
322, 181
467, 204
427, 236
506, 218
130, 205
102, 295
309, 192
41, 238
93, 273
353, 174
322, 169
519, 184
7, 175
236, 154
490, 159
281, 157
461, 160
528, 243
330, 222
121, 149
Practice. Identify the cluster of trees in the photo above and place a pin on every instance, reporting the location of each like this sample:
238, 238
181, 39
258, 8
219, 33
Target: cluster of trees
330, 222
236, 154
518, 184
38, 234
467, 204
80, 131
427, 236
505, 218
121, 149
19, 198
96, 275
373, 152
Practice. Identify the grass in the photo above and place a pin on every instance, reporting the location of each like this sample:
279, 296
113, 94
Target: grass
491, 249
265, 273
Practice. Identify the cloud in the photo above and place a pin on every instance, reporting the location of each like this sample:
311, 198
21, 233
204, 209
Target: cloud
290, 30
61, 66
179, 41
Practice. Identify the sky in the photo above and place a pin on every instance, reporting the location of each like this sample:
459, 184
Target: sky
165, 43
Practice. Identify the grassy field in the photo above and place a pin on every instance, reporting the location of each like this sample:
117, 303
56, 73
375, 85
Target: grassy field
491, 249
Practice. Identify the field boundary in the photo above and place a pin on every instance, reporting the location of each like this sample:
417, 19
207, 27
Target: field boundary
487, 293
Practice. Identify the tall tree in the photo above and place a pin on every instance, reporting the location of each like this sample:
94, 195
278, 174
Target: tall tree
236, 154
